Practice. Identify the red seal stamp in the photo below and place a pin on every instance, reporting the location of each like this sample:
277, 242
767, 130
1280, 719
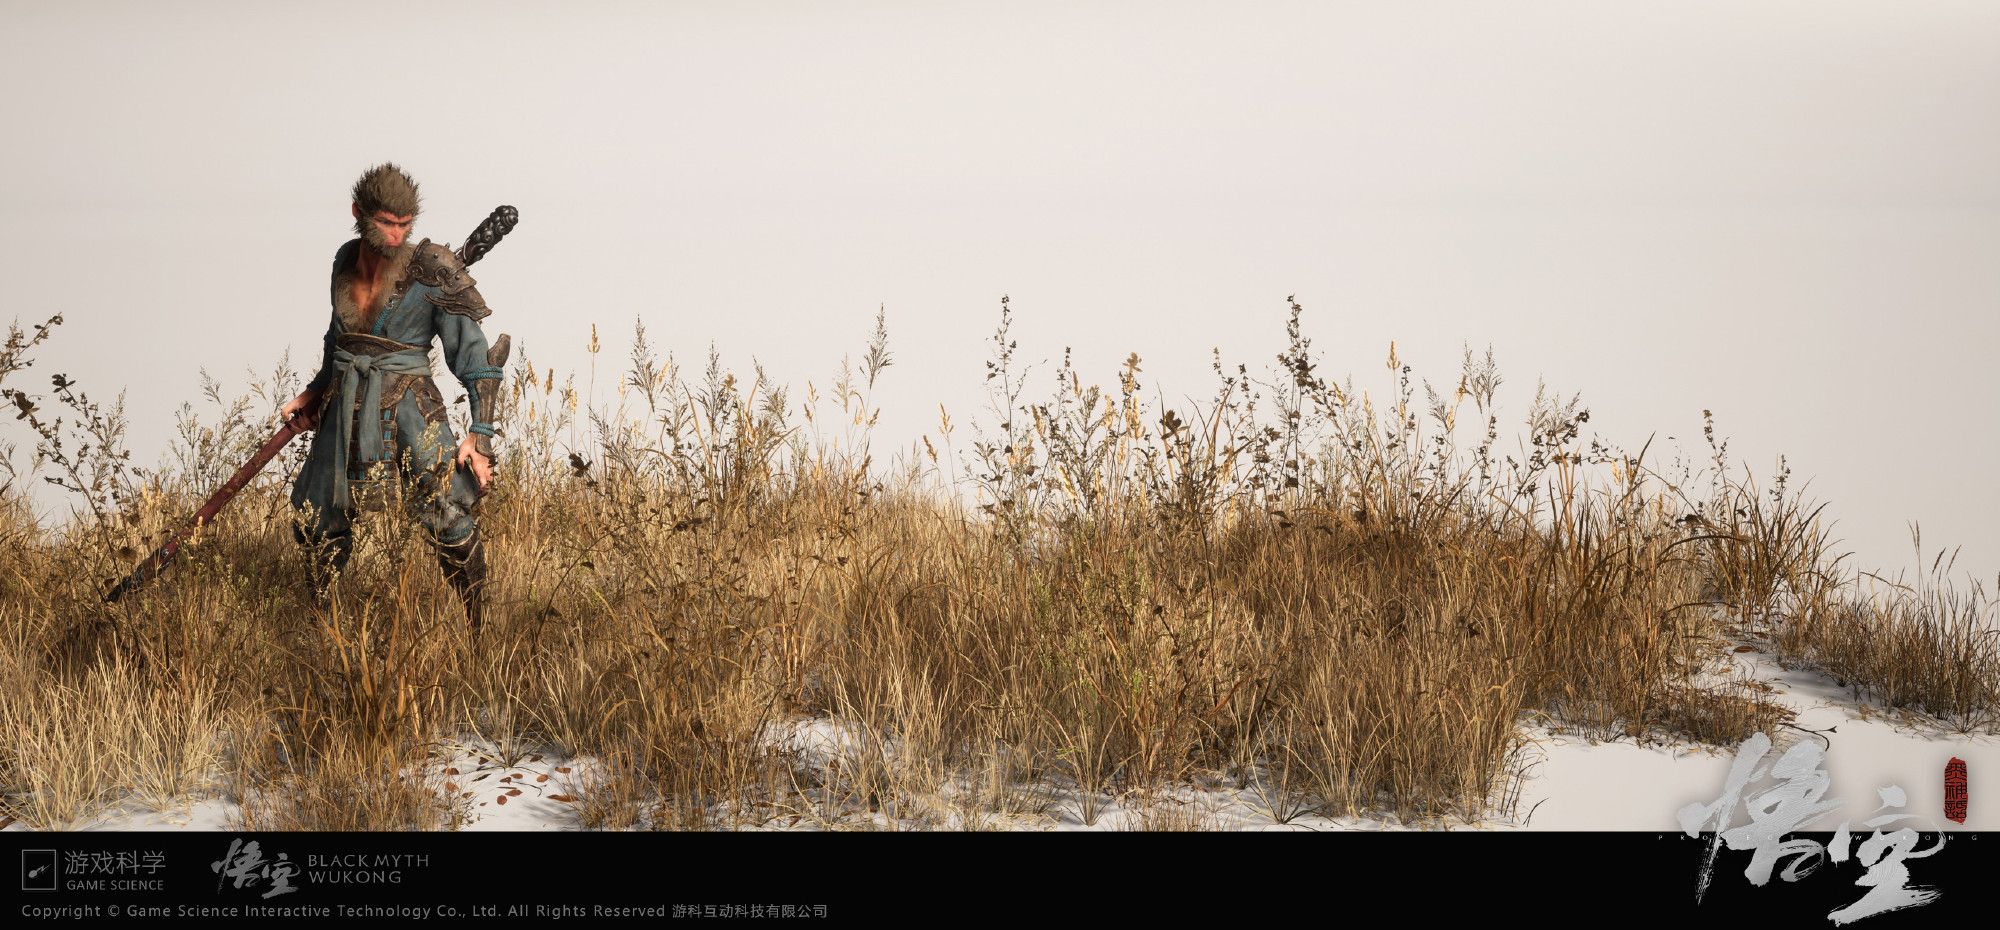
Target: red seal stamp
1954, 790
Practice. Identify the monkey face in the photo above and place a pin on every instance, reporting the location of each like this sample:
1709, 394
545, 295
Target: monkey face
385, 232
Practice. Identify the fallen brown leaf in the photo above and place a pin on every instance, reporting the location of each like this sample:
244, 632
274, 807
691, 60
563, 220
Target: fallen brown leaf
565, 798
450, 786
541, 778
563, 769
502, 799
514, 793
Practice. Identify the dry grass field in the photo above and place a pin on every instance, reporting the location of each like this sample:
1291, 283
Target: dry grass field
1346, 600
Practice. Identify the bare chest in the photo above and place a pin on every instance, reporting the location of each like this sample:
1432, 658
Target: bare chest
367, 296
365, 293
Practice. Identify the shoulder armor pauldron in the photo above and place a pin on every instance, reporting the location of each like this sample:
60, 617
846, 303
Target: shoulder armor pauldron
436, 266
452, 287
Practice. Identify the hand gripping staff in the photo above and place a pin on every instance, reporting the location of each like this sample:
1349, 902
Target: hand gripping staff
490, 231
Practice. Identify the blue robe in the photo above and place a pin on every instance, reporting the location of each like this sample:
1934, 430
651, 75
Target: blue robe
423, 441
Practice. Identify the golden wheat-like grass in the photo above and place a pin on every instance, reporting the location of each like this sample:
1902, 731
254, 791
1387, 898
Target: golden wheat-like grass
1315, 593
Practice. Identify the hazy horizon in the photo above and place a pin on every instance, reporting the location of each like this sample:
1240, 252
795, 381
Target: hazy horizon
1787, 213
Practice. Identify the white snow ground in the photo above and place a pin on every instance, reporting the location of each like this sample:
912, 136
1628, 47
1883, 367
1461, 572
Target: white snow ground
1570, 782
537, 792
1579, 785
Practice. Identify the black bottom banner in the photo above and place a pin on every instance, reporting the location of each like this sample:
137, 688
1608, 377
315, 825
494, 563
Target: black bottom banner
1803, 879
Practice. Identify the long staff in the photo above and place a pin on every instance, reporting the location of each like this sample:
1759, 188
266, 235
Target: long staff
490, 231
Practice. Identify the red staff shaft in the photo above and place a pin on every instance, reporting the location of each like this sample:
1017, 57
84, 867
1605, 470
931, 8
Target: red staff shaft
157, 562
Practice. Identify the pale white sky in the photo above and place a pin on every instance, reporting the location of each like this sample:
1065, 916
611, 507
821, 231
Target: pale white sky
1787, 212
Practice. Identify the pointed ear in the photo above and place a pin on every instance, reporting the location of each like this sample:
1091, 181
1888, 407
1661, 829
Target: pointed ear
355, 208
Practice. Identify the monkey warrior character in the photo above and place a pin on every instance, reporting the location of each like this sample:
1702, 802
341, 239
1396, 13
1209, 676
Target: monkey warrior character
373, 400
